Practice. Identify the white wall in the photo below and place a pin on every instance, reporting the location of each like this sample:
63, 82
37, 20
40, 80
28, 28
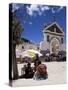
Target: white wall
46, 45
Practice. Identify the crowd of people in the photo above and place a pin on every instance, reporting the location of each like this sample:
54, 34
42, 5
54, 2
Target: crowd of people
38, 72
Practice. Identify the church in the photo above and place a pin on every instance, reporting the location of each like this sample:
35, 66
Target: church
53, 38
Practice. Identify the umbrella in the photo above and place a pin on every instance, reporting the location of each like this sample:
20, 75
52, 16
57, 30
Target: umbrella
30, 53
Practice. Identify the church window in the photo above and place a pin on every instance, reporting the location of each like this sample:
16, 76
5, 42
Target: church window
22, 47
62, 40
47, 38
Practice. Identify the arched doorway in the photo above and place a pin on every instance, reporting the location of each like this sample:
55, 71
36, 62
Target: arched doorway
54, 46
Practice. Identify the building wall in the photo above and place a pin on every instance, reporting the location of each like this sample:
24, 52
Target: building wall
25, 46
46, 45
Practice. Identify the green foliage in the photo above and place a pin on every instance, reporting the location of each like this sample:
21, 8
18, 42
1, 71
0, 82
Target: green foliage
16, 29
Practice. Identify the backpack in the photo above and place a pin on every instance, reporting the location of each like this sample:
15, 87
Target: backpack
42, 69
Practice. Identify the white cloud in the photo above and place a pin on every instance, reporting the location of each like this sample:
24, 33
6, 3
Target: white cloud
31, 9
45, 8
53, 11
39, 9
56, 10
30, 23
60, 8
14, 7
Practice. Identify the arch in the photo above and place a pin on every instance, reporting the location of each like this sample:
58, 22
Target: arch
55, 38
54, 45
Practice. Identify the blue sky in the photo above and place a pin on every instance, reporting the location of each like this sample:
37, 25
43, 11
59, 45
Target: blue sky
34, 17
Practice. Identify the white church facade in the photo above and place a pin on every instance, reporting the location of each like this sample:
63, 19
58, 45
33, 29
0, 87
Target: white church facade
53, 38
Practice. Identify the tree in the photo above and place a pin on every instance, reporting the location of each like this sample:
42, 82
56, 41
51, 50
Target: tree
15, 35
